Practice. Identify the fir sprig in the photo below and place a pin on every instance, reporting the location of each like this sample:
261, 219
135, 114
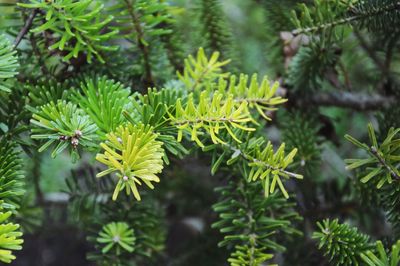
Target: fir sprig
211, 114
65, 125
10, 238
116, 237
11, 175
263, 163
383, 157
341, 243
383, 259
201, 71
103, 100
259, 96
11, 190
246, 223
77, 25
135, 154
8, 62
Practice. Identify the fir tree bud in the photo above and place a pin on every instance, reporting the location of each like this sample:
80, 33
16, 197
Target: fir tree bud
63, 138
116, 239
74, 142
78, 133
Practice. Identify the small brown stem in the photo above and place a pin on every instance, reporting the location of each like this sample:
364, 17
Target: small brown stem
36, 177
38, 54
25, 28
148, 79
382, 161
370, 52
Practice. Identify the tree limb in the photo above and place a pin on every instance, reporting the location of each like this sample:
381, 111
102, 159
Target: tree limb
356, 101
25, 28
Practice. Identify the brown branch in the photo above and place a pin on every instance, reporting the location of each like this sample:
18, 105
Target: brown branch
356, 101
25, 28
144, 48
38, 54
369, 50
36, 177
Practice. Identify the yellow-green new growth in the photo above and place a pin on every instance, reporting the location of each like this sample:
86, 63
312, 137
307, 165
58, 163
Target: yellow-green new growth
134, 153
266, 164
259, 96
10, 238
213, 114
249, 256
199, 71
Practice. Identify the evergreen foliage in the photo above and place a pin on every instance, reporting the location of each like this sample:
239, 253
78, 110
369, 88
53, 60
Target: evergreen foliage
300, 130
201, 71
217, 32
137, 92
134, 152
84, 35
9, 238
261, 97
341, 243
65, 125
11, 191
245, 225
8, 62
382, 259
11, 181
382, 157
309, 66
103, 100
116, 236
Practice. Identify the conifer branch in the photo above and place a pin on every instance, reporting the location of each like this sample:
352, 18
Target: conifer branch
250, 158
26, 27
356, 101
36, 159
382, 161
347, 20
181, 122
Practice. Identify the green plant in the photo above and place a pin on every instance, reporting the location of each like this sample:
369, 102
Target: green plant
341, 243
116, 236
381, 159
64, 124
9, 238
11, 191
138, 94
135, 154
8, 62
84, 34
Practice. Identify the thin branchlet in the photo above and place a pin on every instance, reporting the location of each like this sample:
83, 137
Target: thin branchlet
382, 161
